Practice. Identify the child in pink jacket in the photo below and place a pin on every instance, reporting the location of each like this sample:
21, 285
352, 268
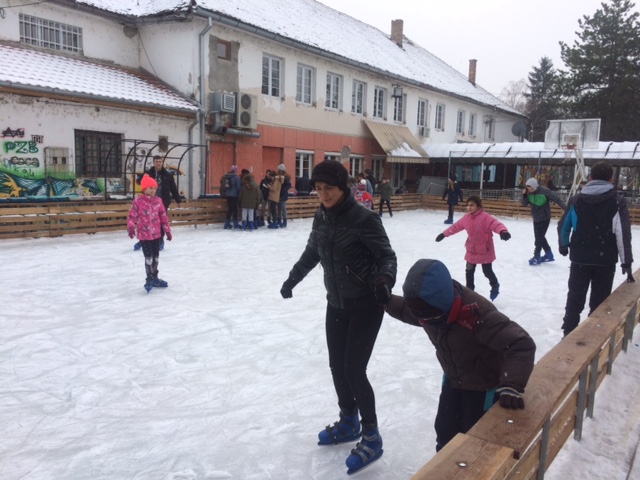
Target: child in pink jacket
146, 216
480, 250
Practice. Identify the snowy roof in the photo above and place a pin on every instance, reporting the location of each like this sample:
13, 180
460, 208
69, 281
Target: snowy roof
330, 31
72, 76
628, 151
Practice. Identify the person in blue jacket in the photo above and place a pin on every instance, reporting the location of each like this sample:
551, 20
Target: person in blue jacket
232, 193
452, 193
595, 230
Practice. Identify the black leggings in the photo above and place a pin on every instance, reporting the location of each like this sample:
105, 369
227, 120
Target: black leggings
351, 336
487, 269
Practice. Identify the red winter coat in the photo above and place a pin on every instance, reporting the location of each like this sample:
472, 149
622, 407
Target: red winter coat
147, 214
480, 227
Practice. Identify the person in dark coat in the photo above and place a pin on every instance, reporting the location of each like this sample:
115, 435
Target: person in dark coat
303, 185
284, 196
386, 190
264, 188
359, 267
231, 195
538, 197
166, 189
485, 356
595, 230
453, 193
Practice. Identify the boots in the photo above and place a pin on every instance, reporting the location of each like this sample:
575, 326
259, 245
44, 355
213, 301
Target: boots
495, 291
251, 226
547, 257
148, 284
236, 226
367, 451
284, 223
244, 224
227, 225
347, 429
535, 260
448, 221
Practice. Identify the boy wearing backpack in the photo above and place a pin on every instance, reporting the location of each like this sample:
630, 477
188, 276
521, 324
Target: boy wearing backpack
231, 185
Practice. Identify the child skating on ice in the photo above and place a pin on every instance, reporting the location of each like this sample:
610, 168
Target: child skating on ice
148, 218
480, 250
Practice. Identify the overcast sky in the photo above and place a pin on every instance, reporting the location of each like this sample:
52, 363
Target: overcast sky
507, 37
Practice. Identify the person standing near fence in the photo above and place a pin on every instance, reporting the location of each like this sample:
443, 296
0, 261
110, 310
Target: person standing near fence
386, 190
360, 268
232, 186
452, 193
538, 197
485, 356
595, 230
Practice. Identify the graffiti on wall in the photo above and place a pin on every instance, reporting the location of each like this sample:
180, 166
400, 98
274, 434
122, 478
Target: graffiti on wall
545, 175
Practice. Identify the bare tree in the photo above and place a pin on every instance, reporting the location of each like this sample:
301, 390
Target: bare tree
513, 94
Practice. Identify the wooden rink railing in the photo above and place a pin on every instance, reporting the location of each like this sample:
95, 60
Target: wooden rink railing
504, 444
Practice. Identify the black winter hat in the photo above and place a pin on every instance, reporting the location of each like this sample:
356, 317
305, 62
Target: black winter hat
331, 172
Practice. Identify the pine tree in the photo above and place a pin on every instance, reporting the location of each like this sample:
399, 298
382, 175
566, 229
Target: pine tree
602, 80
543, 98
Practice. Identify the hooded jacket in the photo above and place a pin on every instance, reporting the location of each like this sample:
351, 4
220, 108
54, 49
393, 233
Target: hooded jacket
539, 203
480, 227
596, 226
235, 184
250, 194
353, 248
478, 347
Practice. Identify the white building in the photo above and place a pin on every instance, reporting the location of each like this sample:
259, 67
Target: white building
97, 87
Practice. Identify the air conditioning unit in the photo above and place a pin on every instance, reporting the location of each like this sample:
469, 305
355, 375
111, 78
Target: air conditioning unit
424, 131
246, 115
222, 102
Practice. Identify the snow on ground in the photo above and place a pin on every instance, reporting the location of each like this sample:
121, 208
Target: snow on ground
218, 377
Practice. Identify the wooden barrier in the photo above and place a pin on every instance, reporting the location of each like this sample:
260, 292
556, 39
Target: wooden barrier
560, 393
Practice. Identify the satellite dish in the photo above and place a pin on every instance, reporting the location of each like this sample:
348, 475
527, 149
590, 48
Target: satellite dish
519, 129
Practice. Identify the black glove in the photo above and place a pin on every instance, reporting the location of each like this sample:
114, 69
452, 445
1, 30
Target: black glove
510, 398
505, 235
564, 251
626, 269
440, 237
382, 289
287, 288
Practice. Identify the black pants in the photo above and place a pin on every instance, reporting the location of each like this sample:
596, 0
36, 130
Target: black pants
539, 232
388, 202
487, 269
232, 208
458, 411
151, 252
351, 336
451, 210
580, 277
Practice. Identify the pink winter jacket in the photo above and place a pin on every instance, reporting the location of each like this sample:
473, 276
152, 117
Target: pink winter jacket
480, 227
147, 214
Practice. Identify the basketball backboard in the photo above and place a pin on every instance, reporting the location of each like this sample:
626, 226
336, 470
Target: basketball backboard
583, 134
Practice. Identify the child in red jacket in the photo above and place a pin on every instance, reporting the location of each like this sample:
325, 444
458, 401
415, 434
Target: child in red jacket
147, 216
480, 250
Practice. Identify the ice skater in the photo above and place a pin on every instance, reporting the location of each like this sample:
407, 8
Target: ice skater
148, 218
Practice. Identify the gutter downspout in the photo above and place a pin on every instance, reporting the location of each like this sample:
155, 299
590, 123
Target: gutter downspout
203, 139
193, 124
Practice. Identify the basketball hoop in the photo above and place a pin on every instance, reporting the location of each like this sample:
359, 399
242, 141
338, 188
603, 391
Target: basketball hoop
568, 149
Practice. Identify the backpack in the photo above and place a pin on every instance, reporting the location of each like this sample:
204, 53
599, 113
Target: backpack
225, 184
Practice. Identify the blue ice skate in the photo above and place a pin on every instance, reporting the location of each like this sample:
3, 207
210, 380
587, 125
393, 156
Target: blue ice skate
347, 429
547, 257
367, 451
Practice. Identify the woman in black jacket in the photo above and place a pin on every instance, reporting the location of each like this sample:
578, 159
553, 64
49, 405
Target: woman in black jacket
359, 271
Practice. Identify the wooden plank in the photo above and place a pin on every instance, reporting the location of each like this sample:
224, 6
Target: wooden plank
467, 458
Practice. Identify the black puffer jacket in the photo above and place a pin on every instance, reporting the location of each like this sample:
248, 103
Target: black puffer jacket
353, 248
478, 347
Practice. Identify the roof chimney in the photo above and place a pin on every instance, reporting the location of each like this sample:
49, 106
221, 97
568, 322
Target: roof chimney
396, 32
472, 71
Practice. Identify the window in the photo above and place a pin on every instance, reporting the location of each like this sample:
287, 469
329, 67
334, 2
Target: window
54, 35
331, 157
357, 97
334, 88
490, 121
398, 108
304, 164
472, 125
271, 68
421, 121
304, 85
98, 154
223, 49
378, 102
377, 167
460, 122
439, 122
356, 165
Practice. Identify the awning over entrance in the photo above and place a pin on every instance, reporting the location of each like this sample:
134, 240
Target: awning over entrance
398, 142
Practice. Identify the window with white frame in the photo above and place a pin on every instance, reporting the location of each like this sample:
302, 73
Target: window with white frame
490, 121
332, 157
304, 164
47, 34
304, 85
357, 97
421, 120
378, 102
460, 122
356, 165
334, 91
439, 120
472, 125
271, 75
398, 108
